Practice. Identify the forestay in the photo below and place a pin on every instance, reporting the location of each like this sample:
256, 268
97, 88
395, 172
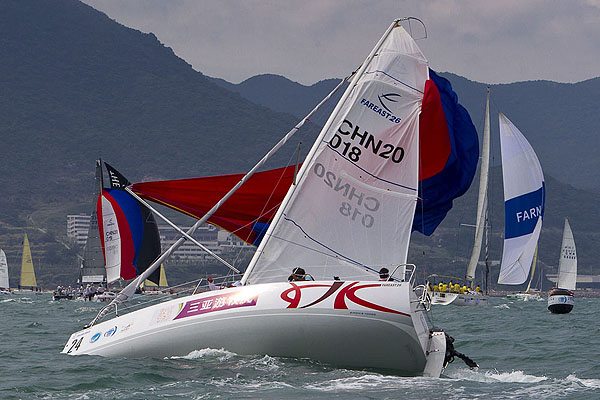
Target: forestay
524, 199
567, 264
353, 206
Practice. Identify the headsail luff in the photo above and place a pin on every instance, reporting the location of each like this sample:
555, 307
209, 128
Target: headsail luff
524, 202
483, 198
567, 264
365, 200
27, 271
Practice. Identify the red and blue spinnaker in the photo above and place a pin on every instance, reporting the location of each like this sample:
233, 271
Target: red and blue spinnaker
130, 237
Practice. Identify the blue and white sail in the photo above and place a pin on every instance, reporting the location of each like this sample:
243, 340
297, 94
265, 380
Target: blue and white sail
524, 200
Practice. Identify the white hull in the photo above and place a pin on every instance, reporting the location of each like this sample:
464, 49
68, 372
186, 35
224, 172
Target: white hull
471, 300
347, 324
525, 296
442, 298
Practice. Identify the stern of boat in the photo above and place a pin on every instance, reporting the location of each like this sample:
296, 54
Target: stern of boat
432, 340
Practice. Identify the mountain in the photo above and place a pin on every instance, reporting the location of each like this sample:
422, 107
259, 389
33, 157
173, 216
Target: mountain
281, 94
559, 119
76, 85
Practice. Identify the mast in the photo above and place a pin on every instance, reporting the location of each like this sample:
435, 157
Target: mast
532, 270
481, 223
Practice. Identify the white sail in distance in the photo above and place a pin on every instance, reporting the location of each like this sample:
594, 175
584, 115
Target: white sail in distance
524, 200
3, 271
482, 200
360, 178
567, 264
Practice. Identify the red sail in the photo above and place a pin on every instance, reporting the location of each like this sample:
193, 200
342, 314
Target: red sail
246, 213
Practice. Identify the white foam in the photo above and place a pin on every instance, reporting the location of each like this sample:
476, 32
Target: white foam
208, 352
367, 382
495, 376
587, 383
503, 306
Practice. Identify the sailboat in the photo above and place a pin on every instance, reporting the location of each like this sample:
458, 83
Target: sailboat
92, 269
27, 271
4, 283
348, 214
560, 298
152, 288
524, 202
467, 295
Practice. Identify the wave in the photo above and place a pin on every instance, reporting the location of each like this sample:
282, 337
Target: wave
495, 376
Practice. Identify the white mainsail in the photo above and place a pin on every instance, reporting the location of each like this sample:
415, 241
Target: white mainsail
482, 200
4, 284
524, 200
359, 179
567, 264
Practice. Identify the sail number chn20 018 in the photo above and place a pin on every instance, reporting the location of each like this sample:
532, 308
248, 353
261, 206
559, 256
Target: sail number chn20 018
352, 148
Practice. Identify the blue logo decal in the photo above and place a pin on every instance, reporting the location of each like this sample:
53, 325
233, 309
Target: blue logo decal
390, 97
95, 337
110, 332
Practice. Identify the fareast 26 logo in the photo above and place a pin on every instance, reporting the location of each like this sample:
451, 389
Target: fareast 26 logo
386, 101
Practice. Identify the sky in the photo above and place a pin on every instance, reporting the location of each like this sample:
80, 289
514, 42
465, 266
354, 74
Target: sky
489, 41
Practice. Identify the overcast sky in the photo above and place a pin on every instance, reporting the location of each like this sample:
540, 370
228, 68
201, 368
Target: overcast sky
491, 41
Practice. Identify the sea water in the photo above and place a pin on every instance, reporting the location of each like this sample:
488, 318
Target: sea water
523, 351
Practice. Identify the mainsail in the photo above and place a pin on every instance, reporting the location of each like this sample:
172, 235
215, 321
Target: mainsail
524, 201
92, 267
482, 200
27, 272
4, 284
567, 264
360, 179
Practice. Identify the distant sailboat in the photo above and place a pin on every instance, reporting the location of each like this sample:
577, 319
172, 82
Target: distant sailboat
560, 299
4, 283
27, 271
524, 201
471, 297
92, 264
162, 283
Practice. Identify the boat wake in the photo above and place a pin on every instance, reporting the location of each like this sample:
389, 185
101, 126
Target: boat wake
503, 306
495, 376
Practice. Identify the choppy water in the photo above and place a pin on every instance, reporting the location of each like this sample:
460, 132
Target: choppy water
522, 349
